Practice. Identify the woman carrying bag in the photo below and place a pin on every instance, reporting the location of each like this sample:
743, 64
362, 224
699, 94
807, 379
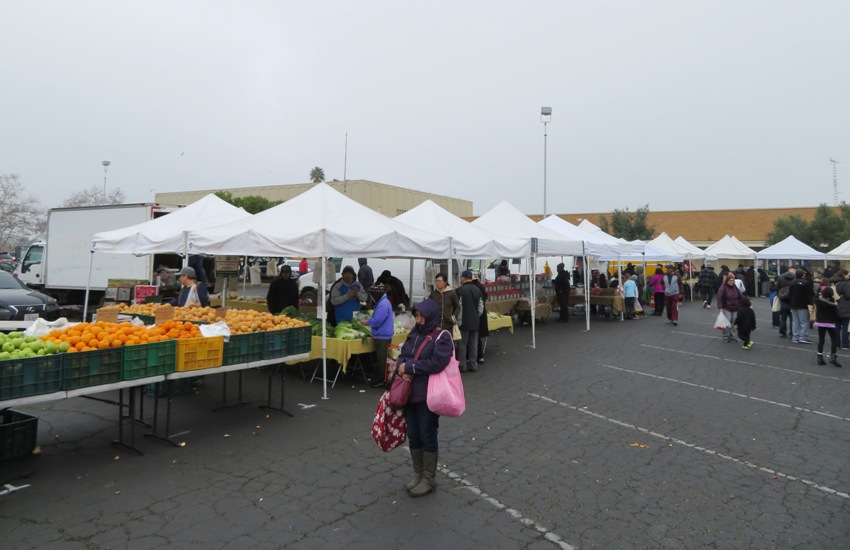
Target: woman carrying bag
424, 353
728, 300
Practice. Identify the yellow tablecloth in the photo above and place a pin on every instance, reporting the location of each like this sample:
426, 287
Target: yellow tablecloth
616, 302
503, 321
341, 350
502, 307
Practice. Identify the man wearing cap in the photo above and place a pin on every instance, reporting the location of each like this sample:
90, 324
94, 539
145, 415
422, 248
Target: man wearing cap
283, 291
785, 280
471, 308
673, 292
562, 293
191, 293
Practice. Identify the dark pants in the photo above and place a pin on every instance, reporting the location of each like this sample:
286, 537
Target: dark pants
708, 294
784, 318
659, 303
833, 339
381, 358
845, 337
467, 349
744, 335
630, 307
422, 426
563, 306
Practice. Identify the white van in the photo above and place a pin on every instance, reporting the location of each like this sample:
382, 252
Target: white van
410, 272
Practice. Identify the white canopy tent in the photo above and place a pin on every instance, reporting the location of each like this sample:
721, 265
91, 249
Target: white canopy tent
664, 242
791, 248
325, 223
468, 240
623, 247
594, 245
730, 248
165, 234
505, 219
695, 251
840, 252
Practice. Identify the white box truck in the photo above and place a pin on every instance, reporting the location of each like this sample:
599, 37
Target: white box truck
59, 265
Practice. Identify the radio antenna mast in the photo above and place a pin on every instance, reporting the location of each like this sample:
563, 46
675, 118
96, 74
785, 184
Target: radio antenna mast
834, 180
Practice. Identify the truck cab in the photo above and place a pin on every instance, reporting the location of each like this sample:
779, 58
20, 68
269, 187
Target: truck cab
28, 269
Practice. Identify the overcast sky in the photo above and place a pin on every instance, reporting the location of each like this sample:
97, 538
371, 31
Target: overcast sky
679, 104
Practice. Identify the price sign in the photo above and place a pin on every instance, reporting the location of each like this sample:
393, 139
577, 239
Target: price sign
227, 266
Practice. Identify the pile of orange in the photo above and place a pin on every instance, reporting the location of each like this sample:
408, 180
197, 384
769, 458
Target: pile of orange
240, 321
102, 335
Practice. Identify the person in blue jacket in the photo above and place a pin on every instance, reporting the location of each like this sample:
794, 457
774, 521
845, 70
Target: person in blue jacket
192, 293
422, 424
346, 295
383, 328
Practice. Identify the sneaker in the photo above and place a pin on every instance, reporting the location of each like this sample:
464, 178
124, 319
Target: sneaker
748, 345
708, 306
704, 304
782, 335
675, 323
805, 341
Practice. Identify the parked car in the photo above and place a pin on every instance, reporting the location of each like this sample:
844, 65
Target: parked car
18, 302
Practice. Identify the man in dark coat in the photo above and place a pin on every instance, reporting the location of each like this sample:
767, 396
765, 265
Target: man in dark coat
708, 282
395, 289
283, 292
562, 293
469, 321
483, 327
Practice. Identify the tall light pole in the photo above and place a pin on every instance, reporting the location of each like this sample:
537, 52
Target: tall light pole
545, 118
105, 164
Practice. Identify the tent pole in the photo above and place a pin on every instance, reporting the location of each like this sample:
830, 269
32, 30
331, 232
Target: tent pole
533, 294
586, 291
88, 287
323, 299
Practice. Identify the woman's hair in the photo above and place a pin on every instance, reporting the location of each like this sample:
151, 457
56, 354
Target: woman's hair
842, 273
745, 301
442, 276
827, 292
659, 271
730, 275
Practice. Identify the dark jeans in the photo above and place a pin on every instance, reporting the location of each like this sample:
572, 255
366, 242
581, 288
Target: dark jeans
381, 358
708, 294
744, 335
784, 318
630, 307
659, 303
422, 426
845, 337
563, 306
833, 339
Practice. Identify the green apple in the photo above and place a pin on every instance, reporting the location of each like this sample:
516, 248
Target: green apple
16, 335
29, 339
50, 348
5, 355
63, 347
41, 351
8, 347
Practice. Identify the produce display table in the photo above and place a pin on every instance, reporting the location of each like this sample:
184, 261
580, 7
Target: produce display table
503, 321
340, 350
240, 304
615, 302
502, 307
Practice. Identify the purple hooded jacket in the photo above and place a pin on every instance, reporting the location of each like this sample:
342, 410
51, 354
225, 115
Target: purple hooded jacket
436, 354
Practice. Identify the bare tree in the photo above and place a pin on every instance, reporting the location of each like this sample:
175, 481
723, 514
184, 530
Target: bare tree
93, 196
21, 215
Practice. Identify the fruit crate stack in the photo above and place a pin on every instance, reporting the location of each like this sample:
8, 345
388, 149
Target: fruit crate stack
301, 340
244, 348
277, 343
199, 353
30, 376
18, 432
92, 368
153, 359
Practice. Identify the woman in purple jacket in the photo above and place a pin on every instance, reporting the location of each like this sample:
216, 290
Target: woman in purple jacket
656, 283
435, 349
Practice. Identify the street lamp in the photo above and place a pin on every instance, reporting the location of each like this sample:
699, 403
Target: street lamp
545, 118
105, 164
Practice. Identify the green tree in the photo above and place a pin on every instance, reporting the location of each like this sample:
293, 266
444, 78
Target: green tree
21, 217
317, 175
789, 225
628, 225
826, 229
251, 204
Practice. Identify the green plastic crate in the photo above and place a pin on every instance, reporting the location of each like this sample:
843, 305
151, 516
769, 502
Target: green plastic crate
277, 343
243, 348
301, 340
146, 319
30, 376
18, 432
92, 368
143, 360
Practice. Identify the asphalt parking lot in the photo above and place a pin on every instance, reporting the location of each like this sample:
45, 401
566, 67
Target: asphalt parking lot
636, 434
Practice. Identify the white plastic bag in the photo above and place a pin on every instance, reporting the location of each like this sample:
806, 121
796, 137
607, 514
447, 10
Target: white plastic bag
41, 327
216, 329
722, 323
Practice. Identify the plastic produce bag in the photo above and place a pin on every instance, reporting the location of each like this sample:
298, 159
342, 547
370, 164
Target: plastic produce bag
722, 323
41, 327
216, 329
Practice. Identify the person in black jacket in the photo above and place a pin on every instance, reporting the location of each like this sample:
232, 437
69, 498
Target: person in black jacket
842, 294
283, 292
483, 327
469, 321
562, 293
800, 296
827, 321
745, 322
708, 283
